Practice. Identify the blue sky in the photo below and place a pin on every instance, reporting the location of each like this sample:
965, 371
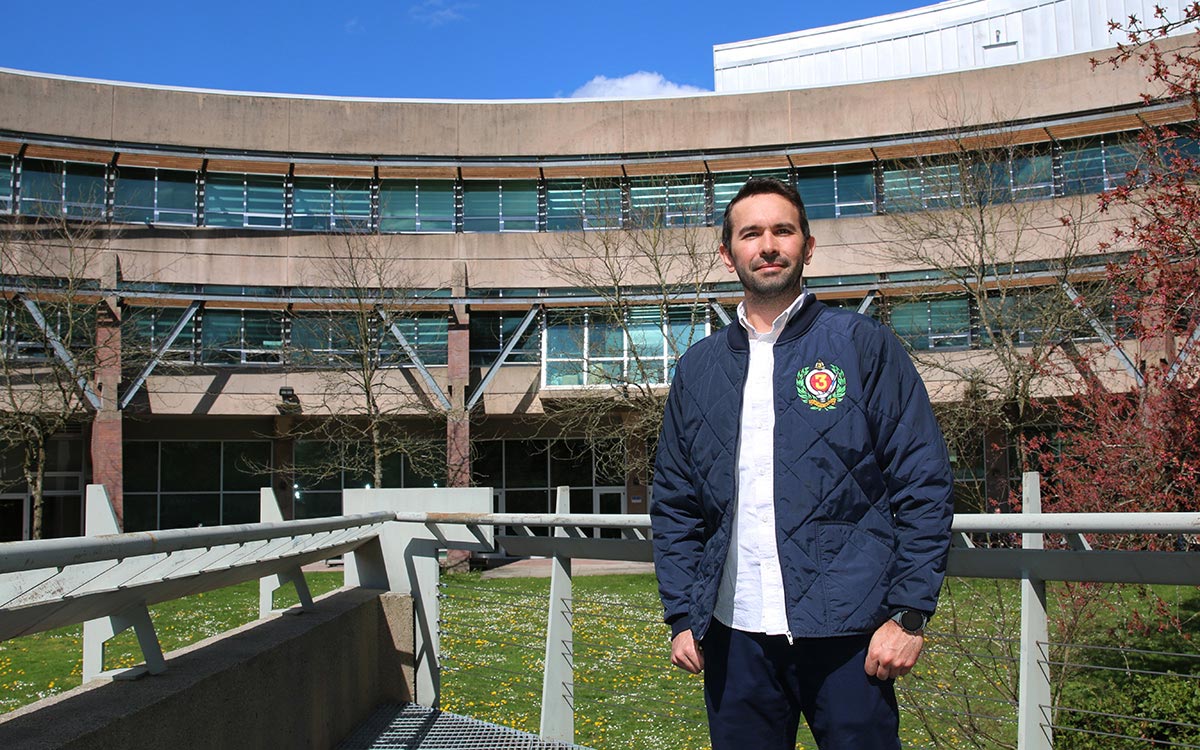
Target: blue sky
443, 49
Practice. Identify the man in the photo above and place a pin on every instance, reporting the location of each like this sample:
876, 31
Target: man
801, 504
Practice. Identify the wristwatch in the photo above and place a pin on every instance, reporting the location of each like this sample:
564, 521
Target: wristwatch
911, 620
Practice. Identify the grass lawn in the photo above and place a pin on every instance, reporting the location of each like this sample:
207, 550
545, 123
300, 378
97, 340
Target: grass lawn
40, 665
628, 696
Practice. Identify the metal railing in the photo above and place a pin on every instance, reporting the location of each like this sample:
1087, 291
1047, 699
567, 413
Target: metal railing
107, 581
391, 543
991, 707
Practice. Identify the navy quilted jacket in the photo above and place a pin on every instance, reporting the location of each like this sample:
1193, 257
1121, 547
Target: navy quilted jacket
862, 478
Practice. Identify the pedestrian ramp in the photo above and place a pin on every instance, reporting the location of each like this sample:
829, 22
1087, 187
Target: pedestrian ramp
408, 726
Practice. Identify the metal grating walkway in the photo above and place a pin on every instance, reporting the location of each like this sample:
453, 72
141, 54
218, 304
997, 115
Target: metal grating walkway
412, 727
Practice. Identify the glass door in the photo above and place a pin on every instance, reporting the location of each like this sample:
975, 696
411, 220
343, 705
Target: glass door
609, 500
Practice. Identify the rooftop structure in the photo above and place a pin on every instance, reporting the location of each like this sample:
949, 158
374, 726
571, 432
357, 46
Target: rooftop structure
942, 38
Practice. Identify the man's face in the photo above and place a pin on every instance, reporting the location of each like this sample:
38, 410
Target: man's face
768, 253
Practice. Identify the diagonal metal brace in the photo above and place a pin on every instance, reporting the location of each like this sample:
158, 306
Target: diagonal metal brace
1104, 335
416, 360
161, 352
504, 354
61, 351
1185, 353
866, 303
720, 311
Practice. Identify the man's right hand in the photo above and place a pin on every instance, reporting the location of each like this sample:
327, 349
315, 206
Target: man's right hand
686, 653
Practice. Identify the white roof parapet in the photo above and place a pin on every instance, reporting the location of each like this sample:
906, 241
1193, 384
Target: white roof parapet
942, 38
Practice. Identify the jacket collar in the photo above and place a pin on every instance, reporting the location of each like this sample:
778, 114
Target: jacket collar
736, 338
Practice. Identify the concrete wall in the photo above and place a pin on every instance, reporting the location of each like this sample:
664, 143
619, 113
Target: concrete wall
460, 130
302, 681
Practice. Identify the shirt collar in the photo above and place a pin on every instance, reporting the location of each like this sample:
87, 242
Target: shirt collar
780, 321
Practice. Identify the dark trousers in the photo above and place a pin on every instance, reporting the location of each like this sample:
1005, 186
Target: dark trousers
757, 687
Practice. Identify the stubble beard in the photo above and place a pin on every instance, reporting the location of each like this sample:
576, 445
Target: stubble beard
786, 284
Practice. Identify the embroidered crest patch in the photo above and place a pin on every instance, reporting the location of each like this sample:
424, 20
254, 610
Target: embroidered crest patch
821, 386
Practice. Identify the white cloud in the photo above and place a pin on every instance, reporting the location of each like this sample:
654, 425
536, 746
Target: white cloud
641, 83
353, 26
437, 12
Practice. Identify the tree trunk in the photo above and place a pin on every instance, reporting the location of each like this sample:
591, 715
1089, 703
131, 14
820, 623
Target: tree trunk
35, 476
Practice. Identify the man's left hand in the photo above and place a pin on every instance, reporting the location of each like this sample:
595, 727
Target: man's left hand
893, 651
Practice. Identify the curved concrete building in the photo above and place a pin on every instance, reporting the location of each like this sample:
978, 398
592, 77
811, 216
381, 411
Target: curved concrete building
227, 223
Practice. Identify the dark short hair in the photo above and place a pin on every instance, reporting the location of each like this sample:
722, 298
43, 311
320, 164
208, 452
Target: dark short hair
763, 186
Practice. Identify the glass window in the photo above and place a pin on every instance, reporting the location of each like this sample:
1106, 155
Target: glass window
236, 200
140, 465
855, 190
435, 204
525, 464
323, 204
590, 347
262, 336
666, 201
499, 206
147, 329
818, 189
190, 466
490, 333
133, 197
84, 191
416, 206
1083, 166
221, 337
398, 206
583, 204
727, 184
1122, 154
6, 184
264, 201
949, 323
245, 466
564, 205
910, 321
481, 206
41, 187
427, 334
519, 206
932, 324
1032, 173
224, 200
175, 197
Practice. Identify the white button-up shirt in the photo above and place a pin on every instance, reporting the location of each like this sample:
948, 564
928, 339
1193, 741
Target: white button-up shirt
750, 597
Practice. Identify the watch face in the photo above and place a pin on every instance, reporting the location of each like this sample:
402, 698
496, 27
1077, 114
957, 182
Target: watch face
910, 620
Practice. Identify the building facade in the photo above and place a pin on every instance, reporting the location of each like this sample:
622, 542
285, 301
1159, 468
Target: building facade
235, 234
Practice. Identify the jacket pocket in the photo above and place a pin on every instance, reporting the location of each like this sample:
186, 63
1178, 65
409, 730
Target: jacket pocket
855, 562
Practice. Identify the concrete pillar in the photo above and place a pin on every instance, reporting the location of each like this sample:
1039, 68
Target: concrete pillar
458, 421
106, 447
458, 376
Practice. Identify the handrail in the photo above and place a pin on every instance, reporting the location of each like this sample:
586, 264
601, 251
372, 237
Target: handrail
995, 523
57, 553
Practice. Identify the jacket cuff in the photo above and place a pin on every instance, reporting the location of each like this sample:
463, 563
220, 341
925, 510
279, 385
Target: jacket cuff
679, 623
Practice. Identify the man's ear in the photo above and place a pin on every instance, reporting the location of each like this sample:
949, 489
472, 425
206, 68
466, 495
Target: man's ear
808, 249
727, 258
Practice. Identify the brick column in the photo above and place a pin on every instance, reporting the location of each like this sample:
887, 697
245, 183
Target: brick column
106, 449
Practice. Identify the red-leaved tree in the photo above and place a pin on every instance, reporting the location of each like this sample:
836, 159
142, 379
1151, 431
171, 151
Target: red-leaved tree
1133, 442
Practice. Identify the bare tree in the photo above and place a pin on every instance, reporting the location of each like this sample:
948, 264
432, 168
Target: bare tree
1007, 278
367, 405
994, 316
647, 285
51, 360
